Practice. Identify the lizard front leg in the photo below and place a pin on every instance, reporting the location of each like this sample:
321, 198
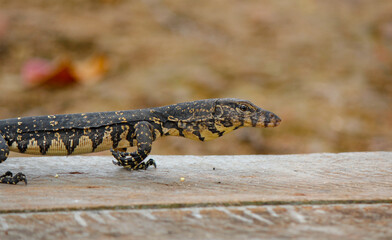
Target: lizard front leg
134, 160
8, 177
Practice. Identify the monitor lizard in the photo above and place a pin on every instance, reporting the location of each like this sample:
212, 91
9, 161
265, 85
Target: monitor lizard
81, 133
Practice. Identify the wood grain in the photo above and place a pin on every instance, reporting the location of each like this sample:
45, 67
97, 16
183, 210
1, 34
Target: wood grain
348, 221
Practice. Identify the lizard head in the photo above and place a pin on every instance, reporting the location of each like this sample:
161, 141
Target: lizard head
241, 113
211, 118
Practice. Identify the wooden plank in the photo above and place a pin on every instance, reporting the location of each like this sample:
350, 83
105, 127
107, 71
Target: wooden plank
351, 221
94, 182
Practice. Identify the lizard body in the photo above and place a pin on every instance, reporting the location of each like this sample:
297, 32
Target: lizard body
93, 132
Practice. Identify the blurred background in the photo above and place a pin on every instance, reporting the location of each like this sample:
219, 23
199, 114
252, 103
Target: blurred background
324, 67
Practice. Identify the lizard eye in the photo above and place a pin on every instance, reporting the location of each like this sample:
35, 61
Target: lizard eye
244, 108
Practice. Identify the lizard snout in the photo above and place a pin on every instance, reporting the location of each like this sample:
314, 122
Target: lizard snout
274, 120
271, 120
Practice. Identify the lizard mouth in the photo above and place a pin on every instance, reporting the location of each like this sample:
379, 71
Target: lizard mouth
273, 124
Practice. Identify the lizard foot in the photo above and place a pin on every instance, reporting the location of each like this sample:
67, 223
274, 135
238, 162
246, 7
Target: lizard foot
8, 178
131, 161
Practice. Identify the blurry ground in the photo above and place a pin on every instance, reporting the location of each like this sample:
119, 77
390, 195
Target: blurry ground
325, 67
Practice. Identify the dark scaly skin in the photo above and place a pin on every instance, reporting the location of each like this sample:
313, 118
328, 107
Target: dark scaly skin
93, 132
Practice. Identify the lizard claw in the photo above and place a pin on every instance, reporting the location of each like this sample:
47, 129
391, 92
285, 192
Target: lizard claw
151, 162
145, 165
117, 163
21, 177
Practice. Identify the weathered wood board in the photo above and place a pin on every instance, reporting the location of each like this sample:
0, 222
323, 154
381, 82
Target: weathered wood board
90, 181
347, 195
